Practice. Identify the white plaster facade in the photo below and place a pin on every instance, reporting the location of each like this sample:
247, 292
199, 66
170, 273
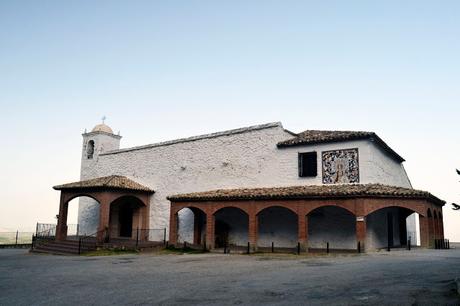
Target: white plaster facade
247, 157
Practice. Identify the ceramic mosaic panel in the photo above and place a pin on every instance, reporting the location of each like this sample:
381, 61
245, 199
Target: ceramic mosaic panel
340, 166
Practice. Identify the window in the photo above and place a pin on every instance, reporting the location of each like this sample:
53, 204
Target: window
308, 166
90, 149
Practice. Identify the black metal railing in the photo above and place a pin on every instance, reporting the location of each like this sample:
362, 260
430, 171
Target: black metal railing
72, 229
91, 242
442, 244
47, 234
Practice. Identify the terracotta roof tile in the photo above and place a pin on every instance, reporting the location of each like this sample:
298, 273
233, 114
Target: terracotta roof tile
315, 136
306, 192
109, 182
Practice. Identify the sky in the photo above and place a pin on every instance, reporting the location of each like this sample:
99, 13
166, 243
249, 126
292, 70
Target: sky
161, 70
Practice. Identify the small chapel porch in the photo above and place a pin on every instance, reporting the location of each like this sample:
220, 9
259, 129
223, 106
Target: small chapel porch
123, 207
311, 218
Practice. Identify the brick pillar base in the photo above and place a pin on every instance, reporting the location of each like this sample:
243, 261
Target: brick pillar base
302, 228
253, 231
424, 232
172, 227
210, 223
61, 228
361, 232
104, 215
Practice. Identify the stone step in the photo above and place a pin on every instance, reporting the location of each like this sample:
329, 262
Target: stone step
55, 249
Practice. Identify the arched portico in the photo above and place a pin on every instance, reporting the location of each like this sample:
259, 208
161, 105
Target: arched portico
358, 204
113, 191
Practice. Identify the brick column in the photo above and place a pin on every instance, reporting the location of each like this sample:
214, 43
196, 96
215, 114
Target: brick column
210, 221
361, 232
430, 232
424, 231
435, 228
104, 215
441, 226
302, 229
253, 230
61, 228
172, 227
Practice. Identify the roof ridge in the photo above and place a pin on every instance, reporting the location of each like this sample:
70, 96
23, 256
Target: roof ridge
198, 137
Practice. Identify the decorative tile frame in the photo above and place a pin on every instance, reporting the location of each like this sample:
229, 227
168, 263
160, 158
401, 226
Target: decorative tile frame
340, 166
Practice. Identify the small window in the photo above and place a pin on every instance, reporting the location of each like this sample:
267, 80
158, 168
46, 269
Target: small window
90, 149
308, 166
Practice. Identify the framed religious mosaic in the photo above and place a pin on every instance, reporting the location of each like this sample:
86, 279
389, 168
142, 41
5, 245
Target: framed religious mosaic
340, 166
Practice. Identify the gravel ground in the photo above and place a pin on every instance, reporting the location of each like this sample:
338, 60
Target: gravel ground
420, 277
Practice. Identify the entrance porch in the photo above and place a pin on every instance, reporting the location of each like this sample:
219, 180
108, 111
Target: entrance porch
124, 206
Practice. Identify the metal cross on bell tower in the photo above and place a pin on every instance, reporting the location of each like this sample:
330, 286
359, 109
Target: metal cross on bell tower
103, 119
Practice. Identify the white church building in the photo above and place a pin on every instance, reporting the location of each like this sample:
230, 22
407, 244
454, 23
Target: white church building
261, 185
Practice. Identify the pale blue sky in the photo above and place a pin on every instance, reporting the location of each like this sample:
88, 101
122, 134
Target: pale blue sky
162, 70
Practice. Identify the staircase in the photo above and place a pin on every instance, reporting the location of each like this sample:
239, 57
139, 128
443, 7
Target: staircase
64, 247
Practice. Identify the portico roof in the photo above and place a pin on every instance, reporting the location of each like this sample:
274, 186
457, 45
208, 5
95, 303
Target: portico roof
307, 192
107, 182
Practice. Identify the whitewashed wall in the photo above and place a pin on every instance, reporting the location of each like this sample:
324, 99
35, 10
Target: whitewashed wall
88, 209
244, 158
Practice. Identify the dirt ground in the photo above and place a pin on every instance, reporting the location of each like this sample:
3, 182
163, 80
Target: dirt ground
418, 277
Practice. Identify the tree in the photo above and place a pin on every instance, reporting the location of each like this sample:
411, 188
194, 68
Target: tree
456, 206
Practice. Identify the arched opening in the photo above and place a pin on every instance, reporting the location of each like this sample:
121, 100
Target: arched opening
334, 225
88, 215
391, 227
191, 224
125, 217
81, 210
277, 225
90, 149
231, 227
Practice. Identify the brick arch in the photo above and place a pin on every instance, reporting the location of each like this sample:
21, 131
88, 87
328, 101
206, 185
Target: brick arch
221, 207
192, 207
407, 206
316, 206
118, 197
72, 196
288, 207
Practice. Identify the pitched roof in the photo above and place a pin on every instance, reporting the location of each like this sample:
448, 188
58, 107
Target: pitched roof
307, 192
108, 182
315, 136
201, 137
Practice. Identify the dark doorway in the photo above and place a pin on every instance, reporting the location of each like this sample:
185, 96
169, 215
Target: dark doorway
390, 229
125, 218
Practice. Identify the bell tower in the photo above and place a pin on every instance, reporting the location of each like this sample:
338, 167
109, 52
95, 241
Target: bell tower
101, 139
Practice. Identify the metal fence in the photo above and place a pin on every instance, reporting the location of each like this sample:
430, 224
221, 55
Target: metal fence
15, 238
49, 229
